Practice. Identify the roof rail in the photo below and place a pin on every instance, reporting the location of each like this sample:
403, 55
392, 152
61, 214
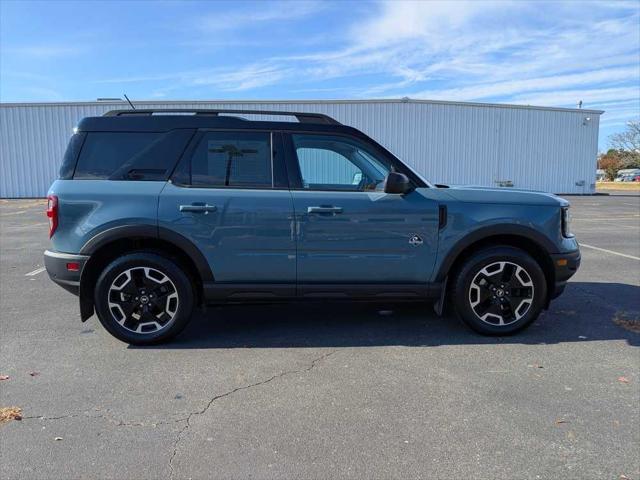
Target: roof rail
301, 116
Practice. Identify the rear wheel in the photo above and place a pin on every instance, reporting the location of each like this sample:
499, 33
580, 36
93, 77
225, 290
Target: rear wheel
499, 290
143, 298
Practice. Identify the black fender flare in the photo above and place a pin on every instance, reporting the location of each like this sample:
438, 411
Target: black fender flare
155, 232
528, 233
140, 231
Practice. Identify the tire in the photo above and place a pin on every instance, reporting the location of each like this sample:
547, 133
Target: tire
143, 298
499, 290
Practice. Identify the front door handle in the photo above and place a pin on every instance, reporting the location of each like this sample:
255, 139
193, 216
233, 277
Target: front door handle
324, 209
198, 208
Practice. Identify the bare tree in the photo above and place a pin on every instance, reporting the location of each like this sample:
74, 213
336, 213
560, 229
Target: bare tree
629, 140
627, 145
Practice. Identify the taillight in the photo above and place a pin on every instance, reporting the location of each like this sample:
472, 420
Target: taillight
73, 266
52, 213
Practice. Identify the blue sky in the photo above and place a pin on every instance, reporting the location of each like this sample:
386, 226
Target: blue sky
551, 54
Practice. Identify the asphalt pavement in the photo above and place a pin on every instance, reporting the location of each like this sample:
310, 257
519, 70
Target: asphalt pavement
327, 391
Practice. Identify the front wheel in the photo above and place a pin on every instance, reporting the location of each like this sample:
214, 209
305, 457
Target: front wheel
143, 298
499, 290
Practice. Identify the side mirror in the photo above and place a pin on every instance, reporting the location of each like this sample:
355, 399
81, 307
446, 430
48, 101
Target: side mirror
397, 183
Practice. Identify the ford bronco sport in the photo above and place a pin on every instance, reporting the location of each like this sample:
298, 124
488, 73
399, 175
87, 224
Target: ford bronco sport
155, 212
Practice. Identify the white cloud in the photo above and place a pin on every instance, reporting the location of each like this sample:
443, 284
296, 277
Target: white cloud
552, 54
536, 84
401, 21
245, 78
478, 50
545, 53
261, 12
591, 97
229, 79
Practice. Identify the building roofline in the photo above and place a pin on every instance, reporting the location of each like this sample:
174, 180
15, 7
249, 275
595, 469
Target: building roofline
298, 102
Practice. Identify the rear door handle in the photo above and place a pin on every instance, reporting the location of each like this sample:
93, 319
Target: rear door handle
324, 209
198, 208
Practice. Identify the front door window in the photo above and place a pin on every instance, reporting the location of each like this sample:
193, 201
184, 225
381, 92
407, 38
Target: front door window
337, 163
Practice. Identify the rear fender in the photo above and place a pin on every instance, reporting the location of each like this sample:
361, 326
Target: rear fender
98, 243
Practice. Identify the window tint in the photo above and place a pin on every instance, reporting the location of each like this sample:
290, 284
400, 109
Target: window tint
104, 152
233, 159
157, 160
70, 156
130, 155
338, 163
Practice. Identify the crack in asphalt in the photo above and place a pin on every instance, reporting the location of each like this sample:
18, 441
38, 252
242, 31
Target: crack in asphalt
116, 421
42, 417
187, 419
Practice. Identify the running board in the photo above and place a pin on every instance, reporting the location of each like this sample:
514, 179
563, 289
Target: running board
269, 291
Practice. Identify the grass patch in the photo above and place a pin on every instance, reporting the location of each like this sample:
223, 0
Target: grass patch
10, 413
629, 186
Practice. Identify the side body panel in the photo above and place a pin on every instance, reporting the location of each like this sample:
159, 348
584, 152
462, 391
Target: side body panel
469, 222
369, 241
247, 237
89, 207
353, 235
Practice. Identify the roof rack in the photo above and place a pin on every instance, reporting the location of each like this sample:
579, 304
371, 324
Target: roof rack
302, 117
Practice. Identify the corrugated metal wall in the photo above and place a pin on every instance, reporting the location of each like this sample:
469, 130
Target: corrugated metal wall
460, 143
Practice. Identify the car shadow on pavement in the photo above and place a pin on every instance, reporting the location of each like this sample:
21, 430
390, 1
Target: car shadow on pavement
587, 311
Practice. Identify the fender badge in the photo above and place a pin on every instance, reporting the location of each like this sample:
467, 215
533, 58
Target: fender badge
415, 240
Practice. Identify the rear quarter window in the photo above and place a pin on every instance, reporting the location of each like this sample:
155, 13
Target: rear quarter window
130, 155
70, 156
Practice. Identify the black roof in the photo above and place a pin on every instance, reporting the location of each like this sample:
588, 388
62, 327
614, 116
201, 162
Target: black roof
165, 120
168, 119
303, 117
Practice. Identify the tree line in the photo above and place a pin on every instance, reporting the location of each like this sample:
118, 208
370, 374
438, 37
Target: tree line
624, 151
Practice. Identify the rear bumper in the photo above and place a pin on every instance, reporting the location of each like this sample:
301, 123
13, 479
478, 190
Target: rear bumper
56, 265
565, 265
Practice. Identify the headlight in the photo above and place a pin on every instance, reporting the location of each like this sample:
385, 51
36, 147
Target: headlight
566, 222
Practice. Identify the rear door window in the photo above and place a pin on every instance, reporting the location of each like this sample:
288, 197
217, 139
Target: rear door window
130, 155
233, 159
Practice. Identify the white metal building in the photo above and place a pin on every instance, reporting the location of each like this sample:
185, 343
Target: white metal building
550, 149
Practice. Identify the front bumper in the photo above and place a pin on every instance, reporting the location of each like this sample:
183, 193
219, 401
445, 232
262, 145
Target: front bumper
565, 265
56, 264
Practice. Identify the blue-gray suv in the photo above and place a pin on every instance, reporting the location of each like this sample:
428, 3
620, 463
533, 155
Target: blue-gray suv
155, 212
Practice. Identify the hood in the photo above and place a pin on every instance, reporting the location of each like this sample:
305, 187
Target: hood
504, 195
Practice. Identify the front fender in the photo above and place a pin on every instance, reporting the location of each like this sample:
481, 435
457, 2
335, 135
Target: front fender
445, 261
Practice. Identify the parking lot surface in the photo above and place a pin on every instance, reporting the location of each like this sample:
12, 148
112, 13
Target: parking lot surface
327, 391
